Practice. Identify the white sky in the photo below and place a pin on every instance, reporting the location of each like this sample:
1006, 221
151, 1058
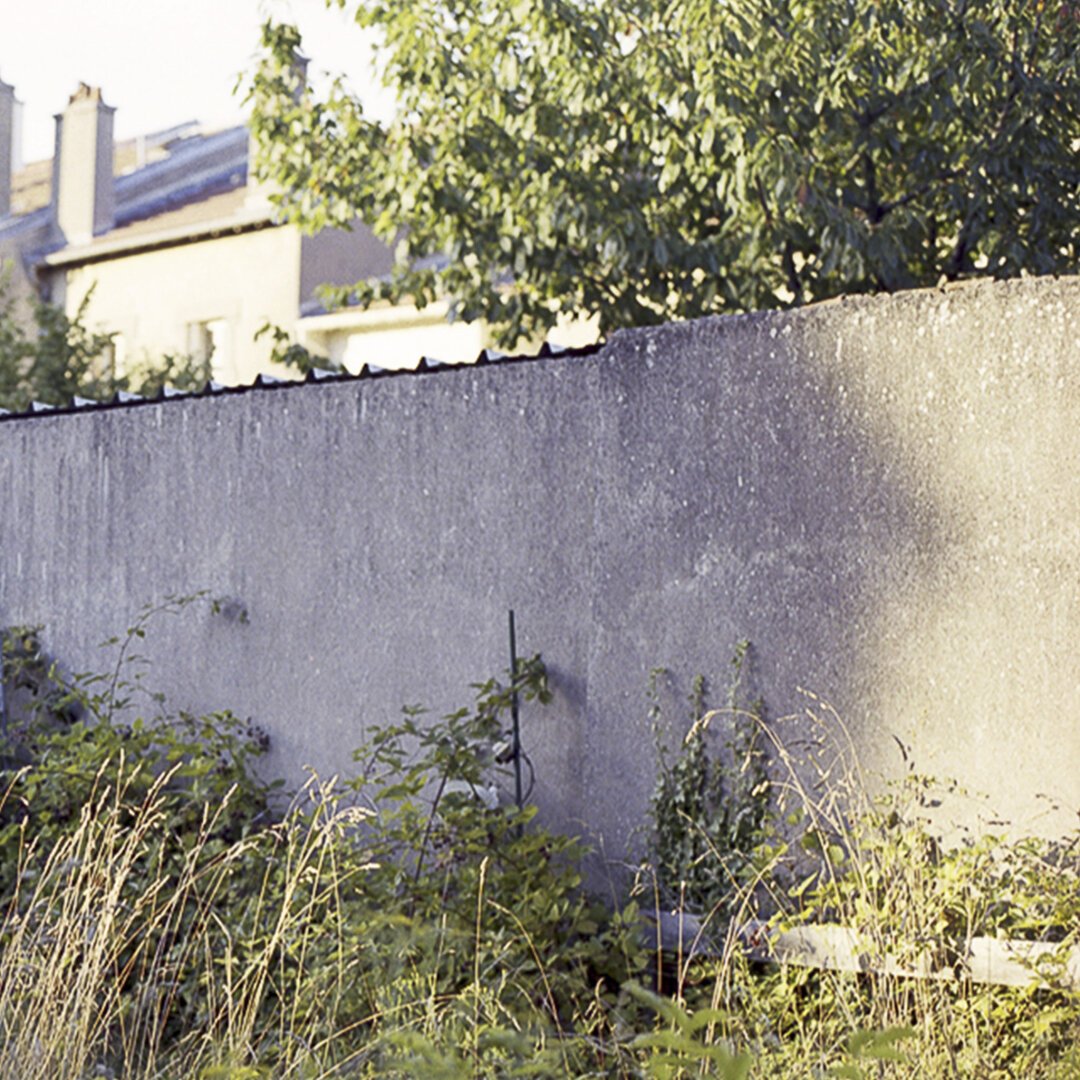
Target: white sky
159, 62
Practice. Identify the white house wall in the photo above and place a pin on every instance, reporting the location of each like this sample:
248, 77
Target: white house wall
153, 298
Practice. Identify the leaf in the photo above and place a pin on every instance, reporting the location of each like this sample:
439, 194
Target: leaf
879, 1045
703, 1017
661, 1005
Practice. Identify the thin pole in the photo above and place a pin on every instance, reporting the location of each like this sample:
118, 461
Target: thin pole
514, 713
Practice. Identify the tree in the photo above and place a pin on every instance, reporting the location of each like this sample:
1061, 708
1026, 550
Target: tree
643, 160
63, 359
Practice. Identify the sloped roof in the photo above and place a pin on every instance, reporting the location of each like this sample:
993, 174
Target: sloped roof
212, 215
31, 186
166, 184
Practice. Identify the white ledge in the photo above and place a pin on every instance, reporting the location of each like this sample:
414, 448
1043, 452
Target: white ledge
996, 961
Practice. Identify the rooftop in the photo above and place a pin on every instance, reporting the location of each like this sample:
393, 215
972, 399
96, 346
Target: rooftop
169, 183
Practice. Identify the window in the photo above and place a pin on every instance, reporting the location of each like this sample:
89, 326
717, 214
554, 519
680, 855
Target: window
118, 355
210, 341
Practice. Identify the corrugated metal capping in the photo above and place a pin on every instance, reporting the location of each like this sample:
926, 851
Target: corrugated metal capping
425, 365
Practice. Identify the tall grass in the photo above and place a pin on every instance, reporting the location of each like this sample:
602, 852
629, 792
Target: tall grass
124, 956
109, 931
849, 852
158, 921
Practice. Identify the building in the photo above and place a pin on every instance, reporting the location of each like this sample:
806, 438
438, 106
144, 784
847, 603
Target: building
180, 252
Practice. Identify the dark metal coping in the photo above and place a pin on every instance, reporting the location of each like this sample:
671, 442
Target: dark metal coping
427, 365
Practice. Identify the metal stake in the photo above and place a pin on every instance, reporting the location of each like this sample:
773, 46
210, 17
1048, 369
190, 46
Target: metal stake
514, 714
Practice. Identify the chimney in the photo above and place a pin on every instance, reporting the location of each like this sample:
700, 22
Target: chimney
7, 145
83, 167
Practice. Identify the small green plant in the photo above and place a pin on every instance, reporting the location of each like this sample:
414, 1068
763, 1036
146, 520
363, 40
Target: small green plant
867, 1049
63, 359
686, 1043
290, 354
475, 885
710, 804
180, 371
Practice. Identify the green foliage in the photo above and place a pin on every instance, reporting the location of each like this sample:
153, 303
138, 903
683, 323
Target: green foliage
180, 371
63, 358
145, 824
870, 861
408, 919
292, 355
686, 1042
164, 912
469, 895
866, 1048
61, 735
641, 161
709, 807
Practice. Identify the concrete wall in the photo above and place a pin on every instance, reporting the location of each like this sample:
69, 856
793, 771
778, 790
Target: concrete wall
882, 494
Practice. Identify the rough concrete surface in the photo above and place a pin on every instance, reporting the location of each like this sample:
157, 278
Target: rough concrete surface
881, 494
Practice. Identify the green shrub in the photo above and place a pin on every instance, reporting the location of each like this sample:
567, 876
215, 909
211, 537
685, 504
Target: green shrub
710, 806
872, 861
407, 916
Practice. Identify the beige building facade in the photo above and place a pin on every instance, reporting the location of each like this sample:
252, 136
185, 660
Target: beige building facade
180, 253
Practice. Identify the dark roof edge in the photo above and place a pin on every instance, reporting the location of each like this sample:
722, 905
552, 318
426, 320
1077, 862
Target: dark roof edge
425, 366
150, 241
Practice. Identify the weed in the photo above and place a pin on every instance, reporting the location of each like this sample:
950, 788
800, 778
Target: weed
710, 807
